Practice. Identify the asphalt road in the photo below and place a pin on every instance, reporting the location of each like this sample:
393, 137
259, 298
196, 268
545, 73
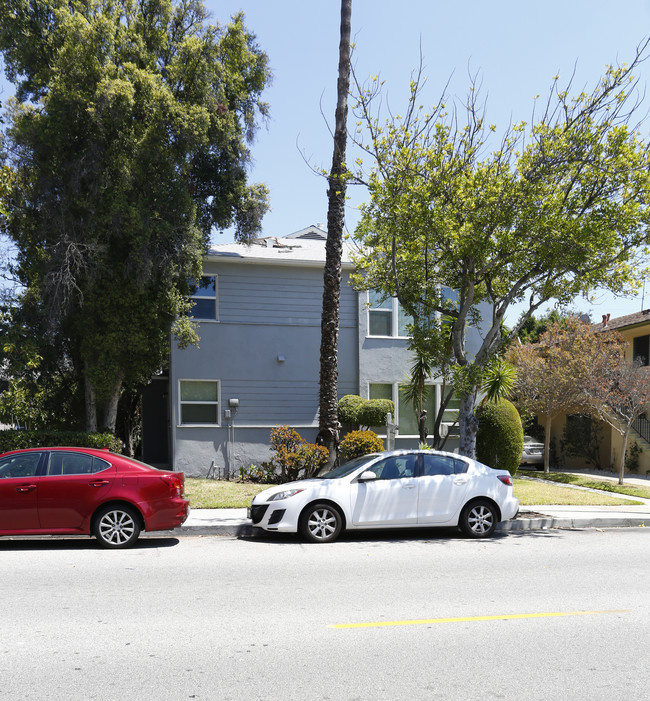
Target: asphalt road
529, 616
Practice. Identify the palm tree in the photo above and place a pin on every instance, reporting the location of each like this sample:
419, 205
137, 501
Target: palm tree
328, 412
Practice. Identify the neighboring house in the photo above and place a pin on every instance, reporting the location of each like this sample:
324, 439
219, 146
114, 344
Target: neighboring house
635, 329
257, 365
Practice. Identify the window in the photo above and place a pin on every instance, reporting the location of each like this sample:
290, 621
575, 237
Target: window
61, 463
394, 468
406, 419
199, 402
386, 317
20, 465
437, 465
640, 350
204, 298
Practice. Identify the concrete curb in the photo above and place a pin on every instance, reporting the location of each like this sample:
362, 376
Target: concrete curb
244, 528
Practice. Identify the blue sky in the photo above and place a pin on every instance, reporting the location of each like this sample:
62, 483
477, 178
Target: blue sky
516, 48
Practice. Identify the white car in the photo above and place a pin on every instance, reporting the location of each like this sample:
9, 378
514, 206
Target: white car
402, 489
533, 453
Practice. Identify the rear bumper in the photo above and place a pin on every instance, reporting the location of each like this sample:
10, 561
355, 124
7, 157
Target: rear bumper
164, 516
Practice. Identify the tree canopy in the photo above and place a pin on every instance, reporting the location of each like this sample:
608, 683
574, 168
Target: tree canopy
552, 209
554, 374
128, 143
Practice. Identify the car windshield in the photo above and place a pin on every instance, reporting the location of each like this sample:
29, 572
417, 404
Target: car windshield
347, 468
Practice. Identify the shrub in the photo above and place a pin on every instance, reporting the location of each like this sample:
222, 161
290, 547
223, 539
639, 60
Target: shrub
500, 437
14, 439
349, 407
262, 474
375, 411
293, 457
358, 443
356, 411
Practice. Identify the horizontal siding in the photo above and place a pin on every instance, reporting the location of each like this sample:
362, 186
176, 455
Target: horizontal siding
276, 403
259, 295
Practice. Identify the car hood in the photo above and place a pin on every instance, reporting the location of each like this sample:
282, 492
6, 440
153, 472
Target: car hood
299, 484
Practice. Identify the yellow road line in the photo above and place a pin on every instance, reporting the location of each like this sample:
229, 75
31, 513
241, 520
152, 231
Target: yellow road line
472, 619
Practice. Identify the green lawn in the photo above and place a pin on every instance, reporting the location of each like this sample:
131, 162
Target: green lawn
220, 494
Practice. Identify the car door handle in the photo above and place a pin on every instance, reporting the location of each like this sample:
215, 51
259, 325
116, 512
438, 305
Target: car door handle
25, 488
408, 486
99, 483
461, 480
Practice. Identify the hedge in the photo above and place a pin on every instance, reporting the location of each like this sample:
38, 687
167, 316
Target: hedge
14, 439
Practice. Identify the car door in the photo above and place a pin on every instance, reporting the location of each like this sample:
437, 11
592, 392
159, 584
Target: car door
442, 487
72, 486
392, 498
18, 491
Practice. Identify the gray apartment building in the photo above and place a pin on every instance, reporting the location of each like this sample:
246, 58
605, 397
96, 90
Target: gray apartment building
257, 364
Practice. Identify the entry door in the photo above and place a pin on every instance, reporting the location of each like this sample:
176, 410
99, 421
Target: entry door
18, 491
392, 498
441, 490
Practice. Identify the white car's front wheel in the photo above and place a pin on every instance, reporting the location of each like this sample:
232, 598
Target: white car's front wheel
320, 523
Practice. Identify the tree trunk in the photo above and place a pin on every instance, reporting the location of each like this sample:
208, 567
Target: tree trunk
547, 443
328, 410
90, 403
468, 424
108, 407
621, 464
101, 414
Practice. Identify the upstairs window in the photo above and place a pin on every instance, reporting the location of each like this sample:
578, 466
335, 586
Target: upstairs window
386, 316
204, 298
641, 350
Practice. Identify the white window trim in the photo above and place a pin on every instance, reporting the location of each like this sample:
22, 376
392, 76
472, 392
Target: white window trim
179, 423
393, 311
437, 388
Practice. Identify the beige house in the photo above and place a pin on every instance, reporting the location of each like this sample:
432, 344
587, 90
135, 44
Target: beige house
635, 328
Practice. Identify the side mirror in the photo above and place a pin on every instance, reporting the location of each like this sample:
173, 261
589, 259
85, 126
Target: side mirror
367, 476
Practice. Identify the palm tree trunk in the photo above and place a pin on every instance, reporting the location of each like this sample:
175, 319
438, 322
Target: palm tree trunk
328, 409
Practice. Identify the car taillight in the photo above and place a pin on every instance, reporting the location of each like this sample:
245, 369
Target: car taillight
506, 479
175, 482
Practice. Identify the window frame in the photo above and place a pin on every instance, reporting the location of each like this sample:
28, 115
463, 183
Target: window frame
199, 402
198, 296
394, 313
436, 387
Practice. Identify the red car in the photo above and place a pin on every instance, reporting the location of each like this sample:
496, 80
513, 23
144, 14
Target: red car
63, 491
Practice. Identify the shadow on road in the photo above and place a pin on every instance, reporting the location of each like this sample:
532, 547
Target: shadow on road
34, 543
402, 535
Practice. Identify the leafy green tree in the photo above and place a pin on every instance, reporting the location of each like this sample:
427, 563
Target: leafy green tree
556, 209
128, 142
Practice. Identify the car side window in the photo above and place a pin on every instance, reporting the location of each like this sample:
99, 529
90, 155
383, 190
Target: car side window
62, 463
460, 466
437, 465
19, 465
395, 467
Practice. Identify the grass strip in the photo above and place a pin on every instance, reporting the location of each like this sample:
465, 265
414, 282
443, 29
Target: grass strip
590, 482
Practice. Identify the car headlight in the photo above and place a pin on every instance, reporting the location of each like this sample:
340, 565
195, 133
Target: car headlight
285, 495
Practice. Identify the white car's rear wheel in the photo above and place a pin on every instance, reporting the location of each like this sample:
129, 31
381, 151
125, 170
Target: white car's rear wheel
320, 523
